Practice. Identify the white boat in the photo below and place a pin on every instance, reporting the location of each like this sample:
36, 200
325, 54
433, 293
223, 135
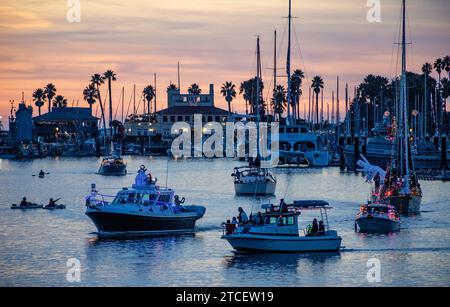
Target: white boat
113, 165
254, 181
143, 209
300, 146
278, 231
378, 218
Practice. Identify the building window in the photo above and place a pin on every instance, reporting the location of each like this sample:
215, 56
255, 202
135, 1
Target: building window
218, 119
164, 119
172, 119
188, 119
180, 118
210, 119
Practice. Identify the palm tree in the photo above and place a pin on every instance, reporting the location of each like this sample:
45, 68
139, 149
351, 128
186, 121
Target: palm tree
438, 66
50, 92
98, 80
427, 68
149, 94
446, 65
110, 76
38, 98
279, 101
245, 91
172, 87
296, 90
194, 89
229, 92
60, 102
317, 86
90, 95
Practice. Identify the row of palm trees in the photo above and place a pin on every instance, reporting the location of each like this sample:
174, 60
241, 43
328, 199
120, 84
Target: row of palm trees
48, 94
425, 95
369, 88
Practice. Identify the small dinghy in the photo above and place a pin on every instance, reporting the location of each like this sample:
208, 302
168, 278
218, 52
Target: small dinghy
27, 206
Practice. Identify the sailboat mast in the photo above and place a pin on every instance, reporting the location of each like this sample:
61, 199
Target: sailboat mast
274, 67
258, 76
403, 105
288, 63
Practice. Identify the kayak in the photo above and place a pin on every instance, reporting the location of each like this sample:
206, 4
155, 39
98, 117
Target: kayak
54, 207
30, 206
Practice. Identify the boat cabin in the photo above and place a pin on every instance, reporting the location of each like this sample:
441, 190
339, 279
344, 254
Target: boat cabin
283, 219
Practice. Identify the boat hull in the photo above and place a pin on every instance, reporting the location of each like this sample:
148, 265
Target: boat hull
113, 170
119, 223
406, 204
265, 188
377, 225
284, 244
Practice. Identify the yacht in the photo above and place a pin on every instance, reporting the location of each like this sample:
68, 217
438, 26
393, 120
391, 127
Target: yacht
143, 209
250, 180
278, 231
301, 147
378, 218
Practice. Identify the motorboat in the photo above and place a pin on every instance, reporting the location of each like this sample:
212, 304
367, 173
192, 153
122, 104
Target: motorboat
277, 230
301, 147
249, 180
143, 209
378, 218
113, 166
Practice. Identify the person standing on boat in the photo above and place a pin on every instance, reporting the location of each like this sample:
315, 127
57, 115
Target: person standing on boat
283, 206
321, 228
377, 180
314, 228
242, 217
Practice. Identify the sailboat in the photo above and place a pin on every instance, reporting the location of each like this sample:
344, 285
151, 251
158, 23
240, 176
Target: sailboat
254, 179
401, 188
113, 165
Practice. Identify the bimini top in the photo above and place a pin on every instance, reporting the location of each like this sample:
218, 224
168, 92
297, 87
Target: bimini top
303, 204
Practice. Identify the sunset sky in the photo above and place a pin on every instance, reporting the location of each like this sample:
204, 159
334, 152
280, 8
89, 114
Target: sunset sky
214, 40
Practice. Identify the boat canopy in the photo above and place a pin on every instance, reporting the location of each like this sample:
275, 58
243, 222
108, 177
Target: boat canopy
303, 204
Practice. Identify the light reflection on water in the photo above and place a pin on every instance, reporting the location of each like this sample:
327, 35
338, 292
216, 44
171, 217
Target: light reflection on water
35, 245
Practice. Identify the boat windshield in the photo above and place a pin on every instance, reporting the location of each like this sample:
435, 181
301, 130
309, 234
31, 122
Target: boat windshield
141, 198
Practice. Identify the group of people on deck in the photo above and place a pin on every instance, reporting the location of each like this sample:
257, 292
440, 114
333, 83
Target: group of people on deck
316, 229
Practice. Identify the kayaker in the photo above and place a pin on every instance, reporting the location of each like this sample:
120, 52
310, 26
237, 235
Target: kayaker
24, 202
41, 173
52, 203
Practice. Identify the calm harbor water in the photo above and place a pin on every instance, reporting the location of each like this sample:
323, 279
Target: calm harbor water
35, 245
